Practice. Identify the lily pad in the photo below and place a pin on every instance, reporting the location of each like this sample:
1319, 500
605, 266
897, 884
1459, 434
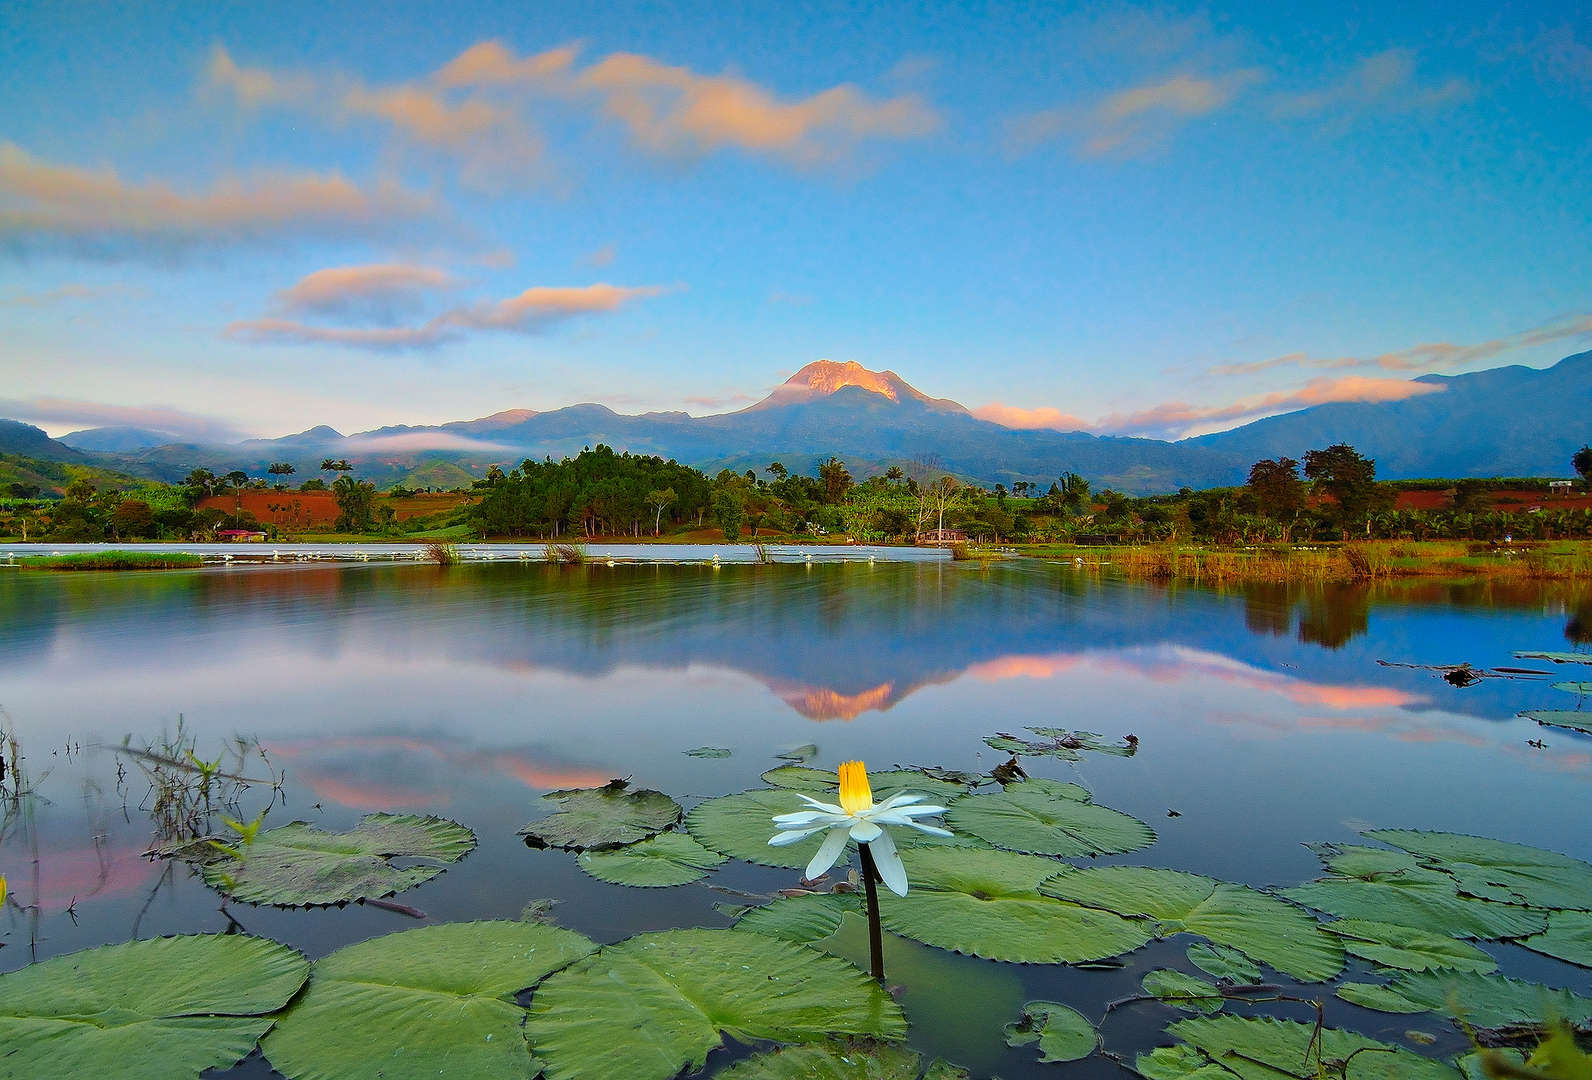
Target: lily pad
710, 752
1183, 991
1562, 718
669, 858
1391, 887
1063, 1034
987, 903
803, 753
1058, 743
1480, 1000
438, 1001
838, 1061
1574, 687
602, 817
1224, 964
299, 865
741, 826
1408, 948
1260, 925
1179, 1062
167, 1007
655, 1004
1557, 657
1568, 938
801, 918
1498, 870
1042, 817
1266, 1049
820, 783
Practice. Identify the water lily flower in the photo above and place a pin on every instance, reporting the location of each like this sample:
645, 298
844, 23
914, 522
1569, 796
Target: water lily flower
2, 890
858, 818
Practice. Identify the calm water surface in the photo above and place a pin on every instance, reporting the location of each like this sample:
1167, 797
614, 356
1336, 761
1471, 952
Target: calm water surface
1264, 720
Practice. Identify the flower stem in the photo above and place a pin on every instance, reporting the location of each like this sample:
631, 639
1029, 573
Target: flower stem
870, 874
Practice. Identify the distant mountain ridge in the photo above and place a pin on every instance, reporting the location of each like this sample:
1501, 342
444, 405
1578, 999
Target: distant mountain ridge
1503, 421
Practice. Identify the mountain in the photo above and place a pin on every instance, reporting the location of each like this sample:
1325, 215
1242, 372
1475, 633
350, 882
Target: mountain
1507, 421
117, 440
29, 441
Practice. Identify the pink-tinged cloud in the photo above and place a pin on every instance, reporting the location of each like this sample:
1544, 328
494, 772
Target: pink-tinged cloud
490, 63
1136, 119
43, 202
1044, 417
1386, 81
1425, 358
423, 440
531, 311
61, 412
1176, 418
69, 291
341, 289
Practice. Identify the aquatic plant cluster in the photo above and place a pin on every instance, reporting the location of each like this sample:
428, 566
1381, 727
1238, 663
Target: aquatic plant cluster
1007, 881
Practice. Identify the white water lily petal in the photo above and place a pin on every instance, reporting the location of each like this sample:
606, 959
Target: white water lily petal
900, 798
828, 808
919, 811
802, 817
933, 830
865, 831
894, 817
888, 862
784, 838
828, 853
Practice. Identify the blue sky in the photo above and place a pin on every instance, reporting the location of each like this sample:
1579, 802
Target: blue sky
253, 218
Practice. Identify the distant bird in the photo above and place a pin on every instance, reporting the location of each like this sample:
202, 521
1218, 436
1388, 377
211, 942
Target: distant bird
1174, 813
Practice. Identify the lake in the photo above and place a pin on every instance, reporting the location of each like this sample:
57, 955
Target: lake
1266, 717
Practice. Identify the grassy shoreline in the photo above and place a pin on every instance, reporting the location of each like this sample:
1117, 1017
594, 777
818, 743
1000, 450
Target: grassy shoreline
113, 560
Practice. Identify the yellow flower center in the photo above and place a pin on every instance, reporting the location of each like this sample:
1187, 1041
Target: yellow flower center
855, 795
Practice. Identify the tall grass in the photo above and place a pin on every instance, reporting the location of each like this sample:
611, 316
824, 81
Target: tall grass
1369, 561
113, 560
566, 554
443, 553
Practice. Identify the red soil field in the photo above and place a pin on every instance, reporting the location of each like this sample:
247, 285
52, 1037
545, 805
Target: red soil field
318, 509
1509, 502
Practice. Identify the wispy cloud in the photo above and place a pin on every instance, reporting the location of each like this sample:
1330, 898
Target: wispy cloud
1426, 357
531, 311
408, 442
1136, 119
603, 256
371, 291
1044, 417
69, 291
60, 412
1386, 81
1562, 56
97, 211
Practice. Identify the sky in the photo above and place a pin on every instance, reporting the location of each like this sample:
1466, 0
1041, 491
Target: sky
229, 219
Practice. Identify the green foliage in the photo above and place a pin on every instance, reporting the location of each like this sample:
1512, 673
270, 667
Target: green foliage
1265, 1049
114, 560
1043, 817
1063, 1034
603, 817
669, 858
596, 492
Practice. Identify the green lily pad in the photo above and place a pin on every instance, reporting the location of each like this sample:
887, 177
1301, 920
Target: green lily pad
837, 1061
1480, 1000
299, 865
1562, 718
1224, 964
823, 783
437, 1001
1557, 657
1063, 1034
987, 903
655, 1004
1408, 948
1058, 743
741, 826
1255, 1048
669, 858
1183, 991
1568, 938
803, 919
1498, 870
167, 1007
801, 754
1260, 925
710, 752
1574, 687
1042, 817
1179, 1062
1408, 894
602, 817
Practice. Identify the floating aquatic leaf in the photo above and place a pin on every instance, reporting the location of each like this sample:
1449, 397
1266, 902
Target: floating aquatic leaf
1042, 817
1182, 990
987, 903
1481, 1000
1059, 743
821, 782
1562, 718
1498, 870
602, 817
1260, 925
298, 865
438, 1001
1557, 657
801, 918
652, 1005
1568, 938
1407, 947
709, 752
1223, 963
805, 752
1391, 887
1063, 1034
950, 776
740, 826
833, 1061
167, 1007
1179, 1062
1254, 1048
669, 858
1574, 687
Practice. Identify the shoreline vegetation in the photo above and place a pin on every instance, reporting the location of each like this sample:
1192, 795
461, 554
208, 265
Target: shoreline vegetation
113, 560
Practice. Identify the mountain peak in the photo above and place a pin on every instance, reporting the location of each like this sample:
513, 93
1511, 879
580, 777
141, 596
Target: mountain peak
821, 378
